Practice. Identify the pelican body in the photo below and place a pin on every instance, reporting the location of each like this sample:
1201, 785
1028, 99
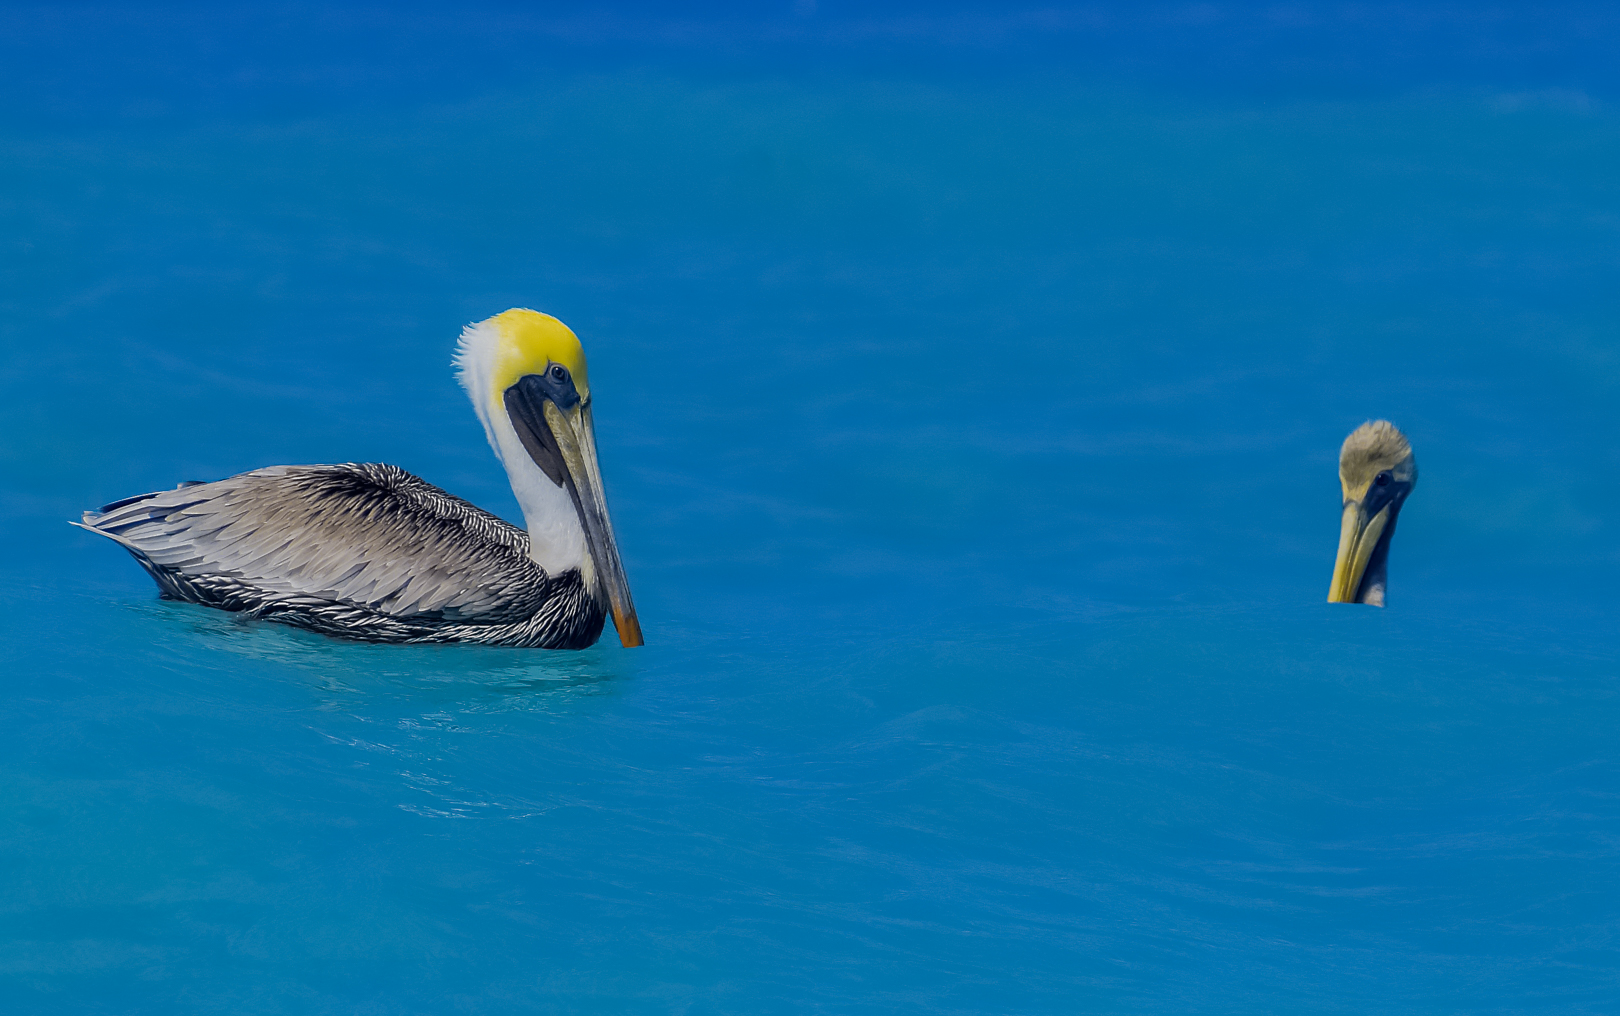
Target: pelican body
370, 552
1376, 473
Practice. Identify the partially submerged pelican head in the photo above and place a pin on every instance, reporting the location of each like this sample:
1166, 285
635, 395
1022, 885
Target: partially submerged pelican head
1377, 472
525, 373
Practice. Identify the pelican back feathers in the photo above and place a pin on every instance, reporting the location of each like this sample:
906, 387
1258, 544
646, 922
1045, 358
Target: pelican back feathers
364, 551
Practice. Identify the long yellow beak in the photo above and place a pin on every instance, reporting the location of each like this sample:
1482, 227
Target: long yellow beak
1358, 536
576, 440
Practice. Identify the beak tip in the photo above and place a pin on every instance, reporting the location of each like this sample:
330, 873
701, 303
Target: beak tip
629, 629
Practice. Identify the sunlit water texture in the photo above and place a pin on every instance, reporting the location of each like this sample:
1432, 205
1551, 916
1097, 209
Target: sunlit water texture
971, 442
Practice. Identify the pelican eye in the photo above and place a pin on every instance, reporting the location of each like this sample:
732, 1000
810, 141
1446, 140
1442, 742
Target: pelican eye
559, 373
1382, 479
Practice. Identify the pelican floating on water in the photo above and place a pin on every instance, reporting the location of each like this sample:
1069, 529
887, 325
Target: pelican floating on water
1377, 472
370, 552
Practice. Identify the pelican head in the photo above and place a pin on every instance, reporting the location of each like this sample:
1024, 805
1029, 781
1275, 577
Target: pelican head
525, 373
1377, 471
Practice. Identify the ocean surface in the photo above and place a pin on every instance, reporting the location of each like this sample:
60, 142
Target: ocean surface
969, 387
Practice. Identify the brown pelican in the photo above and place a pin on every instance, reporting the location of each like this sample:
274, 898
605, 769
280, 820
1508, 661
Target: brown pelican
1377, 471
371, 552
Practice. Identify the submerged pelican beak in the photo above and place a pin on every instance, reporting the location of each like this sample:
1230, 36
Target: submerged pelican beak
562, 442
1358, 538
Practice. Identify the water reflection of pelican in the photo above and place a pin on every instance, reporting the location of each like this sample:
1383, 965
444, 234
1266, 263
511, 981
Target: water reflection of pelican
370, 552
385, 681
1377, 472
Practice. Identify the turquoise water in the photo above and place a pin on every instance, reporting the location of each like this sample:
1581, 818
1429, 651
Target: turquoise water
971, 437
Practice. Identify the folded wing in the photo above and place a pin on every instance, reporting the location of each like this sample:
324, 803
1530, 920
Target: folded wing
369, 535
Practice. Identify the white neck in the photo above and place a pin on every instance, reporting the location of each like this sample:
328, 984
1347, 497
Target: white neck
556, 538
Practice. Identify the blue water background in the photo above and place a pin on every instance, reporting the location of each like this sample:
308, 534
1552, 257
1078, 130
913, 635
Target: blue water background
969, 388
